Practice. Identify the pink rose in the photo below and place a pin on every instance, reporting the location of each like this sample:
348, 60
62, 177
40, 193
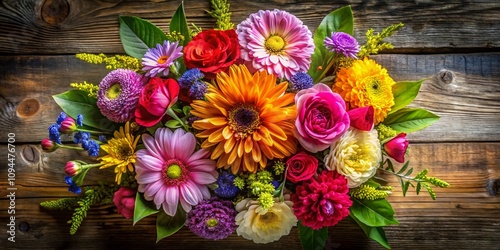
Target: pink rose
362, 118
321, 117
301, 167
156, 97
396, 148
124, 200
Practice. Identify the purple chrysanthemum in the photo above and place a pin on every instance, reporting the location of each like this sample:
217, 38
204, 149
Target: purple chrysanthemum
212, 219
119, 93
301, 81
158, 60
275, 41
344, 43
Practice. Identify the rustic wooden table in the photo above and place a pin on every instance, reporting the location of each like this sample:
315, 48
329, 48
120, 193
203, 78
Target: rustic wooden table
454, 45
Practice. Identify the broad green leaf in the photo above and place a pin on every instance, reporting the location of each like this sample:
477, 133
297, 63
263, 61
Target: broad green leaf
143, 208
179, 24
138, 35
404, 93
167, 225
375, 233
338, 20
410, 119
75, 102
312, 239
374, 213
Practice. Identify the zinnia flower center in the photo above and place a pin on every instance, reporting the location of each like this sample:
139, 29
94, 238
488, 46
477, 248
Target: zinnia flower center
114, 91
274, 44
212, 222
162, 59
174, 173
244, 120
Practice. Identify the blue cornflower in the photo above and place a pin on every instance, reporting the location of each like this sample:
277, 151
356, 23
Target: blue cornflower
301, 81
92, 148
189, 77
54, 134
80, 137
226, 189
61, 118
72, 186
103, 139
198, 90
79, 120
276, 184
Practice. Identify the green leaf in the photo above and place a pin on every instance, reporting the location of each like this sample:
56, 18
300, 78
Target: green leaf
405, 166
404, 93
410, 119
138, 35
374, 213
390, 167
167, 225
419, 186
312, 239
172, 124
143, 208
75, 102
179, 24
375, 233
405, 187
338, 20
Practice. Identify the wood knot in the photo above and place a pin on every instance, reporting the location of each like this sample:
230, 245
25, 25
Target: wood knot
54, 12
446, 76
31, 154
493, 186
28, 107
24, 226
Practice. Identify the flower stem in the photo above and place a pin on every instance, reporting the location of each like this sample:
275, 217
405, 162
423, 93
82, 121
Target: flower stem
70, 147
172, 114
92, 131
332, 62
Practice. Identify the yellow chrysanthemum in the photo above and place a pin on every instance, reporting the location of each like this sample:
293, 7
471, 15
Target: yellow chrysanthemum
366, 83
246, 119
121, 152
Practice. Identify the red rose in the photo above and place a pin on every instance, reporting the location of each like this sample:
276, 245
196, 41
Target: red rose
301, 167
156, 97
212, 51
124, 200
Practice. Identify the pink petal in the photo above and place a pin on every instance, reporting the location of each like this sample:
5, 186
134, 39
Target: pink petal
202, 177
151, 145
190, 193
160, 196
148, 177
170, 210
185, 205
185, 146
200, 154
163, 137
146, 162
153, 188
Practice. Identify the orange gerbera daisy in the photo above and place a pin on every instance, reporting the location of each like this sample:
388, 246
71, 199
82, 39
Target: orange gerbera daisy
247, 119
366, 83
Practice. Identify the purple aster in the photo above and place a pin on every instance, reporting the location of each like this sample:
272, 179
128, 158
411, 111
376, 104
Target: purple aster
190, 77
344, 43
198, 90
301, 81
158, 60
226, 189
275, 41
212, 219
119, 93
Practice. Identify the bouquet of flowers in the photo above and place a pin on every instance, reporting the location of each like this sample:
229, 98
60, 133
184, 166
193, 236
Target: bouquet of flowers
251, 128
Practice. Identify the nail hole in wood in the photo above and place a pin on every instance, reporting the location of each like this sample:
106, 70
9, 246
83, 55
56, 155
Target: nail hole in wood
24, 226
28, 107
30, 154
446, 76
54, 11
493, 186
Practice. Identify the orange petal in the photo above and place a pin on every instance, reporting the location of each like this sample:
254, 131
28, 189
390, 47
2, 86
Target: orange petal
240, 146
248, 144
229, 144
216, 136
249, 163
218, 151
227, 132
256, 154
232, 156
276, 131
207, 144
266, 150
263, 163
235, 167
218, 121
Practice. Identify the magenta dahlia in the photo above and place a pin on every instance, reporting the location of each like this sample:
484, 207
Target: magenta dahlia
276, 41
119, 93
322, 201
169, 171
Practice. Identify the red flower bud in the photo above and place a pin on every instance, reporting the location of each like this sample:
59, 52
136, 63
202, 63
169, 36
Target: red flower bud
124, 200
72, 168
68, 126
48, 145
396, 148
362, 118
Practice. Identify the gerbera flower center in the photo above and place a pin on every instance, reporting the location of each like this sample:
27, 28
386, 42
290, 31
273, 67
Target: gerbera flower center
174, 173
274, 44
121, 148
244, 120
162, 59
212, 222
114, 91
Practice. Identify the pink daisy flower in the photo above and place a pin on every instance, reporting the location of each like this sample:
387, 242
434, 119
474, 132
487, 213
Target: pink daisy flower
169, 172
276, 41
158, 60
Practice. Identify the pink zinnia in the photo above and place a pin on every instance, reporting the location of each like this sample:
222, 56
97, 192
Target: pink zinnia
169, 172
322, 201
276, 41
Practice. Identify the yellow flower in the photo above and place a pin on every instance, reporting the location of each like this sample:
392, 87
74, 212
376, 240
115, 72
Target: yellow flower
121, 152
366, 83
246, 120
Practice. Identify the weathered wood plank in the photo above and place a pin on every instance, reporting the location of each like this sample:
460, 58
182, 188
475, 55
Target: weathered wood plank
463, 89
66, 27
464, 216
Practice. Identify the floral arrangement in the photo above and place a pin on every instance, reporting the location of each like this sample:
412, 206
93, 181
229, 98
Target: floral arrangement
251, 128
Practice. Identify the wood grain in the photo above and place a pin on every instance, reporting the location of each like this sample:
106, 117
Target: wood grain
66, 27
463, 89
